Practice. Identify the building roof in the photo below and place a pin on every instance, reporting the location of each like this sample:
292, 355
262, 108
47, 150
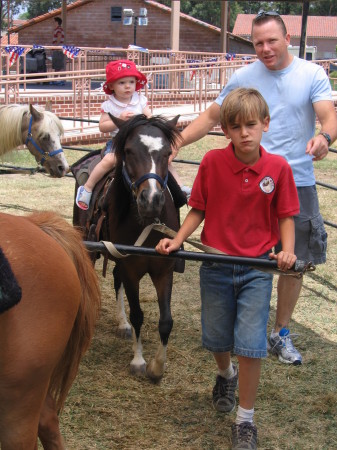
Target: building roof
48, 15
79, 3
317, 26
13, 39
196, 21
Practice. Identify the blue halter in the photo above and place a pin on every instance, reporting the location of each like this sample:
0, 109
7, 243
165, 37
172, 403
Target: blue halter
134, 185
45, 155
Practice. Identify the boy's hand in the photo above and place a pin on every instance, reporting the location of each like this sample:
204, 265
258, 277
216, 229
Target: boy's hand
285, 260
166, 246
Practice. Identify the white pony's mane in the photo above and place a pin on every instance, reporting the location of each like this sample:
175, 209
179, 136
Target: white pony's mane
11, 117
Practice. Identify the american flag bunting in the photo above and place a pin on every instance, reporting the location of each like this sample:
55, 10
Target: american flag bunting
71, 51
14, 52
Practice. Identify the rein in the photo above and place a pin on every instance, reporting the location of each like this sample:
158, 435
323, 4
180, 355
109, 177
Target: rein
45, 155
134, 185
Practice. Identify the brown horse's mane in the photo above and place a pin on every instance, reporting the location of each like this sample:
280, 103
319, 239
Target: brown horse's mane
121, 194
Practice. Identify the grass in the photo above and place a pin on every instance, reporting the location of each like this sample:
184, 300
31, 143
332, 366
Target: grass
109, 409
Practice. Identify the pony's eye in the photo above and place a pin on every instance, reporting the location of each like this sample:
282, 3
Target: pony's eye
46, 137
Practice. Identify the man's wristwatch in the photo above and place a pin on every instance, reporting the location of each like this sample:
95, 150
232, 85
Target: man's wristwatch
327, 137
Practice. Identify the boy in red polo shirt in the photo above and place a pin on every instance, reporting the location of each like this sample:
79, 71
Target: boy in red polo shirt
247, 199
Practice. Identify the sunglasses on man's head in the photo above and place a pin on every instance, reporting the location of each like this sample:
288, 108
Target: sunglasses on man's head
266, 14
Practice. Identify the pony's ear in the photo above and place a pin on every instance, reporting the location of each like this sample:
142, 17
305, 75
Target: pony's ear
116, 121
49, 105
35, 113
174, 121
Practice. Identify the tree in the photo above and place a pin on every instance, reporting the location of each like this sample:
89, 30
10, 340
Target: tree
8, 8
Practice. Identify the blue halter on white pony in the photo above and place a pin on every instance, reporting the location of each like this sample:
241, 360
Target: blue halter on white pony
39, 130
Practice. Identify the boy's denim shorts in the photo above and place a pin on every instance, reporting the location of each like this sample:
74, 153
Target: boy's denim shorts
235, 308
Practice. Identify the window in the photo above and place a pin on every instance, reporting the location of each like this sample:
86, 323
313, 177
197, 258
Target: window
116, 14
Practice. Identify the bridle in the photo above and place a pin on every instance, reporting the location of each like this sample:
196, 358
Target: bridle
135, 184
45, 155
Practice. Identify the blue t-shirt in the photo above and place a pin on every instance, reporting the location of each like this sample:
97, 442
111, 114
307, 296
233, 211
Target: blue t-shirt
290, 94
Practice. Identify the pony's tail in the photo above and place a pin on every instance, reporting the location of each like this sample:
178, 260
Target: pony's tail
71, 240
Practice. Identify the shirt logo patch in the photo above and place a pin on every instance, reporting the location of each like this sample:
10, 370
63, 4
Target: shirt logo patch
267, 185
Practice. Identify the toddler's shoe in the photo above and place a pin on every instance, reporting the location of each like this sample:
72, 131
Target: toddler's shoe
83, 198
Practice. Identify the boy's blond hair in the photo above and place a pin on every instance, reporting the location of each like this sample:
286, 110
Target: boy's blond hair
243, 104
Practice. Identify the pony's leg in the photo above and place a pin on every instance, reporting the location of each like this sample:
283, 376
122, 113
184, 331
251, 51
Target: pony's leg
124, 328
49, 429
138, 364
156, 367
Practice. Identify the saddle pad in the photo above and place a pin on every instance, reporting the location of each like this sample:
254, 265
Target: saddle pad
10, 291
81, 168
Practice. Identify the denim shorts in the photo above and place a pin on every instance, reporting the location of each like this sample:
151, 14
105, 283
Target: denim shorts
109, 147
235, 308
310, 234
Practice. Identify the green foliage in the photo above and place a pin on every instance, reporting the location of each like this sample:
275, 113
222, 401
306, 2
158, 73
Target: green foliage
210, 12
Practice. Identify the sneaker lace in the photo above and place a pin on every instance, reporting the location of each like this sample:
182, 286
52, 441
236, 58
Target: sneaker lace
286, 341
224, 386
247, 432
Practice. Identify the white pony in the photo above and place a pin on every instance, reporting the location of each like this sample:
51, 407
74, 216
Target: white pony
40, 130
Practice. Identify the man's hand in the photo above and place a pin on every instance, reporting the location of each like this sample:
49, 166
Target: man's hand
317, 147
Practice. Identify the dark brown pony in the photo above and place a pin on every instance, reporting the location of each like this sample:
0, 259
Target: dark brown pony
44, 336
137, 197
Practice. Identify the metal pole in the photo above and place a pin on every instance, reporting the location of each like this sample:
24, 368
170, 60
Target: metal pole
195, 256
303, 39
135, 30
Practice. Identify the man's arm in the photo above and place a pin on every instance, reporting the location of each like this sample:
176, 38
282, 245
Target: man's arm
326, 114
201, 125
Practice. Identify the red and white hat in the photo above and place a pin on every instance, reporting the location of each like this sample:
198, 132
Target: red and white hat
120, 69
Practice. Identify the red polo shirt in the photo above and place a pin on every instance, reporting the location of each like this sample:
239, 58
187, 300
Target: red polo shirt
243, 203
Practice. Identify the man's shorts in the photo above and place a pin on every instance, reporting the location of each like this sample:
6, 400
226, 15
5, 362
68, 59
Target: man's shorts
58, 60
310, 234
235, 308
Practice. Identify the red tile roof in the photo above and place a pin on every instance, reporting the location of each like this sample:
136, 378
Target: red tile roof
48, 15
317, 26
13, 39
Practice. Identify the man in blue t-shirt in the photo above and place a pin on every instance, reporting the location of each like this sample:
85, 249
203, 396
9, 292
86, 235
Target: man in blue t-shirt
296, 92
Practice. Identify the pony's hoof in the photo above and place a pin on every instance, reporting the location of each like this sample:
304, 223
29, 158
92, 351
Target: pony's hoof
124, 333
154, 372
139, 371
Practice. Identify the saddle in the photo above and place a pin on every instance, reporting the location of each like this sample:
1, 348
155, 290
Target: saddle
10, 291
93, 221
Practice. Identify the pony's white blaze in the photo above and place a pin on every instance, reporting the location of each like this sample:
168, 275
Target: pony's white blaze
154, 144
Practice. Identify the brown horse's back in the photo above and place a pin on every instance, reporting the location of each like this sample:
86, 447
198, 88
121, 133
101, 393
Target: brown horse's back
44, 336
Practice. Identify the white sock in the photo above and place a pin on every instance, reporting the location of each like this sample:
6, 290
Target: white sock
227, 373
274, 333
244, 415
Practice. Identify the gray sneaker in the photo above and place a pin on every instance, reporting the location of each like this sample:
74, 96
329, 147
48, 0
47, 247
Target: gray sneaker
283, 347
224, 393
244, 436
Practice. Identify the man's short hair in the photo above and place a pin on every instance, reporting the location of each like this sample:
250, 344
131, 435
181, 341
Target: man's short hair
58, 20
243, 104
267, 16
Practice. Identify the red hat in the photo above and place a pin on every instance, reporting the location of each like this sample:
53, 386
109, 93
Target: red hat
120, 69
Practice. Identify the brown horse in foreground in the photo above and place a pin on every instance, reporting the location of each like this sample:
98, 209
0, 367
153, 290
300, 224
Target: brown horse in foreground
44, 336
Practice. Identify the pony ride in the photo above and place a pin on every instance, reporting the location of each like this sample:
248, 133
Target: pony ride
137, 197
44, 336
39, 130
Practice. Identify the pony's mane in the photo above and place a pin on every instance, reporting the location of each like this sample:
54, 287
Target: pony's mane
165, 125
11, 118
